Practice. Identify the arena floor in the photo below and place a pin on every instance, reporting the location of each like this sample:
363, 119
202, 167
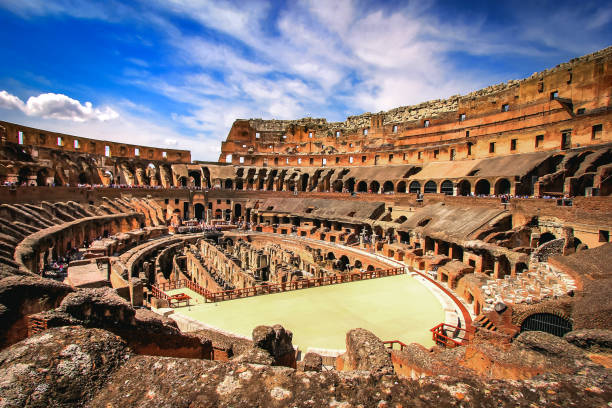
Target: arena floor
394, 308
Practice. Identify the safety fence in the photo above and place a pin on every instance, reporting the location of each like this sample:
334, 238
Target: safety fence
273, 287
449, 336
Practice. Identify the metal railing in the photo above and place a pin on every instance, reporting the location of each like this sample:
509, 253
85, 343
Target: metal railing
449, 336
274, 287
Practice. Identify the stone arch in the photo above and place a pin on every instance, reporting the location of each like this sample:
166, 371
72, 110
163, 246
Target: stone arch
401, 187
546, 237
229, 184
446, 187
483, 187
197, 178
430, 187
350, 185
521, 267
362, 187
330, 256
388, 187
464, 188
343, 262
554, 322
374, 186
304, 182
337, 186
237, 210
182, 181
198, 210
23, 175
415, 187
502, 186
358, 264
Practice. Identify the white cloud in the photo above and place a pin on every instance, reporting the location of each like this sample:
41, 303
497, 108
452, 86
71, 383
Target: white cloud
307, 58
57, 106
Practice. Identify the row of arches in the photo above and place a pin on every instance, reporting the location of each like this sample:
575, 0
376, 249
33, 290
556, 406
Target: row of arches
462, 188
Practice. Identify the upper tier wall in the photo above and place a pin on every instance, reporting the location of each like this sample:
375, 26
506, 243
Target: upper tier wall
574, 96
33, 137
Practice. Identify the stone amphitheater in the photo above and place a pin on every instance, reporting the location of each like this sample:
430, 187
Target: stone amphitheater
133, 276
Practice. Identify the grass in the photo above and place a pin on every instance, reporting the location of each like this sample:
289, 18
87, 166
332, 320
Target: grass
393, 308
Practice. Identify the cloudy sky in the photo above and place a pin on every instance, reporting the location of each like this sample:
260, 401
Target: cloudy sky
177, 73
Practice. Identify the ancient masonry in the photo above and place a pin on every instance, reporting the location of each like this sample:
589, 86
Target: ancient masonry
500, 200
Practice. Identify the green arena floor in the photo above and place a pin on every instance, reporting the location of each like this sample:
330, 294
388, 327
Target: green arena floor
393, 308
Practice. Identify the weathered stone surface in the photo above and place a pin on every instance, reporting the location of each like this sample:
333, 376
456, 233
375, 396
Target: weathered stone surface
169, 382
276, 341
24, 295
145, 332
254, 355
59, 367
313, 362
547, 345
365, 351
98, 305
591, 339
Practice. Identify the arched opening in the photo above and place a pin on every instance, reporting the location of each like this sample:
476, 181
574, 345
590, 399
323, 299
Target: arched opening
197, 178
182, 181
546, 237
206, 173
330, 256
483, 187
350, 185
547, 322
370, 268
304, 182
415, 187
401, 187
374, 186
503, 267
388, 187
362, 187
109, 176
229, 184
430, 187
502, 187
464, 188
23, 175
41, 177
343, 262
83, 179
239, 184
337, 186
199, 211
520, 267
446, 187
237, 210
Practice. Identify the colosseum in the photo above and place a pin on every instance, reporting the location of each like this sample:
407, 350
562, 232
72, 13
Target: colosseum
451, 253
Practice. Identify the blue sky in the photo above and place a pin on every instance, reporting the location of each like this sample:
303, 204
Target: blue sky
177, 73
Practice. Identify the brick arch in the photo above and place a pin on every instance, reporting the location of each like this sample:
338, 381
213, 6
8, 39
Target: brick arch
550, 309
499, 186
481, 185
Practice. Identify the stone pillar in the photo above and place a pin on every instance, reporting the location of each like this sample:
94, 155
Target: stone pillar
136, 292
496, 270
